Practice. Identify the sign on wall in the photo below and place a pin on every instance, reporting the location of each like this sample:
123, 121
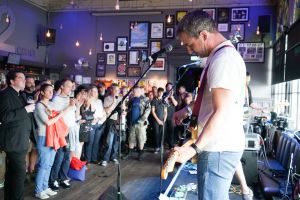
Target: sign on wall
251, 51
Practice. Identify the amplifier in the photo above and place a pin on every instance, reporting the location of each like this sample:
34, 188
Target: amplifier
252, 141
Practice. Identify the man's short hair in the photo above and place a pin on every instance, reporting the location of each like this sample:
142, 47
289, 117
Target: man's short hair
196, 21
247, 74
12, 75
160, 89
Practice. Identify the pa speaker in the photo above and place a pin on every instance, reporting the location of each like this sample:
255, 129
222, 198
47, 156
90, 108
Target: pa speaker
264, 23
111, 193
249, 163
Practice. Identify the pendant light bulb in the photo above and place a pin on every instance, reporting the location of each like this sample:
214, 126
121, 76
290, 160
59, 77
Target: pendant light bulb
117, 7
169, 19
48, 34
7, 18
77, 43
61, 26
257, 30
90, 52
101, 37
249, 23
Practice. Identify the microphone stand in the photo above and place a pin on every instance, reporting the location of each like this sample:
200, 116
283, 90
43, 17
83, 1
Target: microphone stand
119, 110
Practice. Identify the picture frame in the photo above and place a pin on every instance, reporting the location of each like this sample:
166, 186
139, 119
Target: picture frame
100, 70
78, 79
157, 30
139, 34
223, 27
171, 22
121, 69
169, 33
155, 46
144, 55
101, 58
110, 58
253, 52
223, 15
133, 57
122, 57
239, 14
122, 43
211, 12
108, 46
180, 15
235, 27
134, 71
159, 65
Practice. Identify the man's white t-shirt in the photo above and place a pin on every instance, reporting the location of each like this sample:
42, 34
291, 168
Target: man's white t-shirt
227, 70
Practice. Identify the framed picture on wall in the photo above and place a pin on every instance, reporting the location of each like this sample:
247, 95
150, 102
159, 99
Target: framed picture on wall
100, 70
133, 57
239, 14
238, 29
223, 27
210, 11
108, 46
252, 51
157, 30
169, 32
170, 20
139, 34
144, 55
223, 15
101, 58
155, 46
134, 71
122, 57
122, 43
180, 15
111, 59
159, 65
121, 69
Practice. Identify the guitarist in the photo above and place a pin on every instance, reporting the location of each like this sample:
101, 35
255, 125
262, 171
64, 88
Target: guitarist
218, 107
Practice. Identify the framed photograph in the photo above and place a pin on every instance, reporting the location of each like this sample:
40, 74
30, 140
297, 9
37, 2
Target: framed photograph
157, 30
133, 57
86, 80
122, 57
223, 15
239, 14
238, 29
121, 69
159, 65
170, 20
134, 71
111, 59
144, 55
108, 46
101, 58
122, 43
78, 79
169, 33
223, 27
252, 51
139, 34
100, 70
180, 15
155, 46
211, 12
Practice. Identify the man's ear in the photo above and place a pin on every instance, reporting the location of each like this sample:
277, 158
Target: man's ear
204, 34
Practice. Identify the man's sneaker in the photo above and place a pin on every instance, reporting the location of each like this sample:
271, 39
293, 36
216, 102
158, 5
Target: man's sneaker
41, 195
104, 163
116, 162
128, 155
248, 196
50, 192
156, 151
54, 186
65, 184
141, 155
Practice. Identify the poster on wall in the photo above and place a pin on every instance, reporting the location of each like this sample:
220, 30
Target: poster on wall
252, 51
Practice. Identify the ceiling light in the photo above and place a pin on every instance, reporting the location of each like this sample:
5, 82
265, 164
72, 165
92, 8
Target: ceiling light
257, 30
90, 52
7, 18
117, 5
101, 37
77, 43
169, 20
48, 34
61, 26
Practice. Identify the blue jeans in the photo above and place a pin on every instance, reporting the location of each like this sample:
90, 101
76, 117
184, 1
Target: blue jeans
215, 172
61, 165
45, 162
111, 149
91, 148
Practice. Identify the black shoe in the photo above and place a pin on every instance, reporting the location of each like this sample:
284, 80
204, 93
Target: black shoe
54, 186
65, 184
128, 155
141, 155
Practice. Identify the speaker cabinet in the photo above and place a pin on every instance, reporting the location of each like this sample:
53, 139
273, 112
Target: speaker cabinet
264, 23
111, 193
249, 163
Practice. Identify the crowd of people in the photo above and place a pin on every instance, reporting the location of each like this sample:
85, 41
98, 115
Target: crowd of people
92, 127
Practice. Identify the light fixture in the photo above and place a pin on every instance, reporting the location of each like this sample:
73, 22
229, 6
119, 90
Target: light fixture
117, 7
61, 26
77, 43
90, 52
101, 37
249, 23
131, 26
7, 18
257, 30
169, 19
190, 0
48, 34
72, 2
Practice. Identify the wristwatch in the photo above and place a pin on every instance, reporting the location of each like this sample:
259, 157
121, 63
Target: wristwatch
194, 146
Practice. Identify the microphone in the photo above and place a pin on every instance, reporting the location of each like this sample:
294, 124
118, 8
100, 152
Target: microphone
190, 64
166, 49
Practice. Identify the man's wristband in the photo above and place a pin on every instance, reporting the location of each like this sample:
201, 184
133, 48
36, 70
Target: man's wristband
194, 146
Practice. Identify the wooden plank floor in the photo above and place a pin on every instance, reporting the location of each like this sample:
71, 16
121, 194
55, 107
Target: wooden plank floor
99, 178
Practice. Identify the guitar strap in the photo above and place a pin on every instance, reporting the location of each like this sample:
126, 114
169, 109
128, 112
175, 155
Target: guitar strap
197, 106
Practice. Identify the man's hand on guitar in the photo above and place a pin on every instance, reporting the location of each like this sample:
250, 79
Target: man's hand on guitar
185, 153
179, 116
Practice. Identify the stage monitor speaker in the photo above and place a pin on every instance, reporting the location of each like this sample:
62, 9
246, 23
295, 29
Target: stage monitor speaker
249, 163
111, 193
264, 23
